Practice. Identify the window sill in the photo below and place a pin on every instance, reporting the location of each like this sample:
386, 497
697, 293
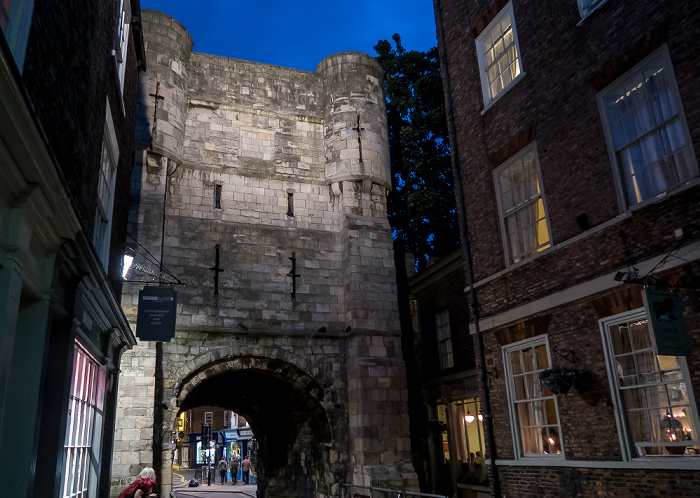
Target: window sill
674, 190
613, 221
665, 462
489, 105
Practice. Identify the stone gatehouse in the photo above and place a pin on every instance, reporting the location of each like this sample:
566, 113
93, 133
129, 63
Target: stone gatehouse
268, 186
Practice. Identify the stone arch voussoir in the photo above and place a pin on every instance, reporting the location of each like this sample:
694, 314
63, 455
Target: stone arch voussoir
278, 360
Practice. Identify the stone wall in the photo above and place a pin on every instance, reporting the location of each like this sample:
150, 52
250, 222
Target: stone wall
240, 159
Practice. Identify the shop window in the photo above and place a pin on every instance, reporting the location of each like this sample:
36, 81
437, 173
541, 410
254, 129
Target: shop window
467, 427
533, 407
499, 55
521, 205
645, 130
653, 396
84, 427
444, 336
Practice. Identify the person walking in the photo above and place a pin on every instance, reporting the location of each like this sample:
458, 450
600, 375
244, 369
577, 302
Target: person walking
234, 469
245, 467
223, 468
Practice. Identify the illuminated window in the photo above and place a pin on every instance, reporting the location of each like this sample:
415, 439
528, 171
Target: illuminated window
523, 214
83, 427
499, 55
121, 43
645, 130
657, 414
444, 336
467, 426
533, 407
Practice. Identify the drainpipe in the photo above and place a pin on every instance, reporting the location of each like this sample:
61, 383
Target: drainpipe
465, 240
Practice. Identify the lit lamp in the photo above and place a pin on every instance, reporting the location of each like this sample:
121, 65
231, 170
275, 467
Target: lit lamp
469, 417
126, 264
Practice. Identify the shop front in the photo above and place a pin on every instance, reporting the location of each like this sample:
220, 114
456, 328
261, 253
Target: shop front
457, 445
238, 444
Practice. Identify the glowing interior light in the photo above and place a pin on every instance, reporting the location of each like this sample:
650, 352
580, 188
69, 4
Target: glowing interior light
469, 418
551, 440
127, 264
480, 417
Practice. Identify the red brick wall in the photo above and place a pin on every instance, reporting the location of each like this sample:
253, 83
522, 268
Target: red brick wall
566, 65
447, 293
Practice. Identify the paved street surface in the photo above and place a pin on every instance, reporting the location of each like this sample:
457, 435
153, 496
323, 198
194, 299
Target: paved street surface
216, 490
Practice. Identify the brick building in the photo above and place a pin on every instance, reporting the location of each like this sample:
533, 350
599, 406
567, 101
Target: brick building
575, 131
447, 429
68, 88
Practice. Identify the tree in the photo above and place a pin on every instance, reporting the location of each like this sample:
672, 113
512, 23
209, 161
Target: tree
421, 206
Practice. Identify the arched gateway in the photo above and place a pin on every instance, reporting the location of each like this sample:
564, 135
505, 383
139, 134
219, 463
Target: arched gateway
268, 186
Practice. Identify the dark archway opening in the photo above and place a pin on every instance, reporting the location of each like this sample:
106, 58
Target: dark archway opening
288, 421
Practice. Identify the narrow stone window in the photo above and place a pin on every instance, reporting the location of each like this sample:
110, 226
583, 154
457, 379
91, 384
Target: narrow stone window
217, 196
290, 204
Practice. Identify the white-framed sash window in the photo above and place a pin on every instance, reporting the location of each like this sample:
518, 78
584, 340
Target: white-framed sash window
83, 427
534, 411
652, 394
645, 130
444, 336
105, 191
521, 204
121, 43
498, 54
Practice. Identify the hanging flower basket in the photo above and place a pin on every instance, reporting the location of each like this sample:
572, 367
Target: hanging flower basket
558, 379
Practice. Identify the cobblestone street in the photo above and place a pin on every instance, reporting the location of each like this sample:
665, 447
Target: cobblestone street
181, 490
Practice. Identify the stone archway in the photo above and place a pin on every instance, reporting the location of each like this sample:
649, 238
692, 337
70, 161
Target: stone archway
289, 411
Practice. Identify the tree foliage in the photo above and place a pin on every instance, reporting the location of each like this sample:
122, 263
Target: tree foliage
421, 206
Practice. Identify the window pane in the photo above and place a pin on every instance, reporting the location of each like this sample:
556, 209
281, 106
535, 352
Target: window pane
653, 393
533, 405
646, 132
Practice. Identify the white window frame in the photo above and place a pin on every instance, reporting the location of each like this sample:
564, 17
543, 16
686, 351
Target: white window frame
662, 55
105, 191
19, 21
81, 455
532, 342
444, 338
627, 445
481, 56
121, 42
587, 7
510, 256
209, 418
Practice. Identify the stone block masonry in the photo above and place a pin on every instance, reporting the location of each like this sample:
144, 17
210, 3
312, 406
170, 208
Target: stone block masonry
283, 174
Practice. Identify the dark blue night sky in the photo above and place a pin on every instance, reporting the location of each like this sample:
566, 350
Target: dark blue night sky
299, 33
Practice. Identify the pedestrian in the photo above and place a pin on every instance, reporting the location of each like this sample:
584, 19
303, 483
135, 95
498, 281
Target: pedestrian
142, 486
234, 469
245, 467
223, 468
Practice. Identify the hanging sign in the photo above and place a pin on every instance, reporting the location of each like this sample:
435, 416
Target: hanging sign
665, 312
155, 320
